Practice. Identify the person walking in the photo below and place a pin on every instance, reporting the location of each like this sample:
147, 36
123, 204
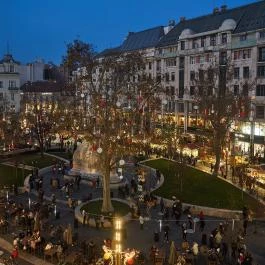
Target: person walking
141, 220
84, 217
202, 222
166, 232
184, 231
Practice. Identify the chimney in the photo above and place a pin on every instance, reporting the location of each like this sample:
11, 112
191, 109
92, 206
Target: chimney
216, 10
223, 8
181, 19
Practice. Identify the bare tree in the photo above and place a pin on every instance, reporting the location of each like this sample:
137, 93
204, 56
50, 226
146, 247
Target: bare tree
218, 104
121, 103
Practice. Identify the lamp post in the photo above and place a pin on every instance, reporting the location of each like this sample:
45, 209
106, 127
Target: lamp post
117, 240
251, 138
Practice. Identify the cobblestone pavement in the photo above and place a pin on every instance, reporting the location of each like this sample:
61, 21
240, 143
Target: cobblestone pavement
144, 239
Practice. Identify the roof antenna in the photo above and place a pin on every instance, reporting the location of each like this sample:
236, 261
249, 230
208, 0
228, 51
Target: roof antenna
7, 47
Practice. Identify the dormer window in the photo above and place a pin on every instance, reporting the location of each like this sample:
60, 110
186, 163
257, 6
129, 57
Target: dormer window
262, 35
224, 38
212, 40
11, 68
243, 37
182, 45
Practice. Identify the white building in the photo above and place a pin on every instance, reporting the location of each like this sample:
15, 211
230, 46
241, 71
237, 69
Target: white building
12, 76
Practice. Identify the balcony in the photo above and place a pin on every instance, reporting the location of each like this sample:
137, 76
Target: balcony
13, 88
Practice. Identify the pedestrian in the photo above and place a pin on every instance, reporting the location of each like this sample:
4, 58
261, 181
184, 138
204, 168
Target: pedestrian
102, 221
156, 236
141, 220
84, 217
202, 222
14, 254
166, 232
190, 221
184, 231
245, 224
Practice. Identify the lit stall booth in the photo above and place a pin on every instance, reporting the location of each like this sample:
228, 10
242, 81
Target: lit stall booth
243, 137
191, 150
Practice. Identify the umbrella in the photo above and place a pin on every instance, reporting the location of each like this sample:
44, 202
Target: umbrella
172, 254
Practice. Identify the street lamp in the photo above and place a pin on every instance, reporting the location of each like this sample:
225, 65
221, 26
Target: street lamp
117, 240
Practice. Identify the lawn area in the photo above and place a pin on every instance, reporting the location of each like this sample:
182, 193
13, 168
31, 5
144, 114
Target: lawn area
64, 155
200, 188
9, 176
94, 207
41, 162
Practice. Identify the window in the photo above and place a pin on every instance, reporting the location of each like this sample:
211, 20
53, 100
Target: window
261, 71
198, 59
172, 90
201, 75
12, 108
202, 59
150, 66
246, 54
12, 84
262, 54
158, 65
181, 62
182, 45
181, 107
236, 73
167, 77
262, 35
210, 74
243, 37
224, 38
192, 90
150, 76
1, 84
172, 76
192, 75
260, 112
245, 72
212, 40
245, 90
194, 44
236, 90
242, 54
209, 91
11, 68
223, 58
192, 60
1, 96
260, 91
171, 62
12, 96
203, 40
236, 55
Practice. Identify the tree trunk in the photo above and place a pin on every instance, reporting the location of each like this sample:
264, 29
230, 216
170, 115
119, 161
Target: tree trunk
106, 205
217, 150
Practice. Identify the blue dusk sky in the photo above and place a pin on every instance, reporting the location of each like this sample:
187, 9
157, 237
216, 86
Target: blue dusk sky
36, 29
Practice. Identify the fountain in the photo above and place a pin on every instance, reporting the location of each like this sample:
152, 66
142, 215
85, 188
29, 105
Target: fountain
86, 159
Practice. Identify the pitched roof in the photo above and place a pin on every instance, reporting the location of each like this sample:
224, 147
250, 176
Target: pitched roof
8, 58
248, 17
142, 39
42, 87
136, 41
